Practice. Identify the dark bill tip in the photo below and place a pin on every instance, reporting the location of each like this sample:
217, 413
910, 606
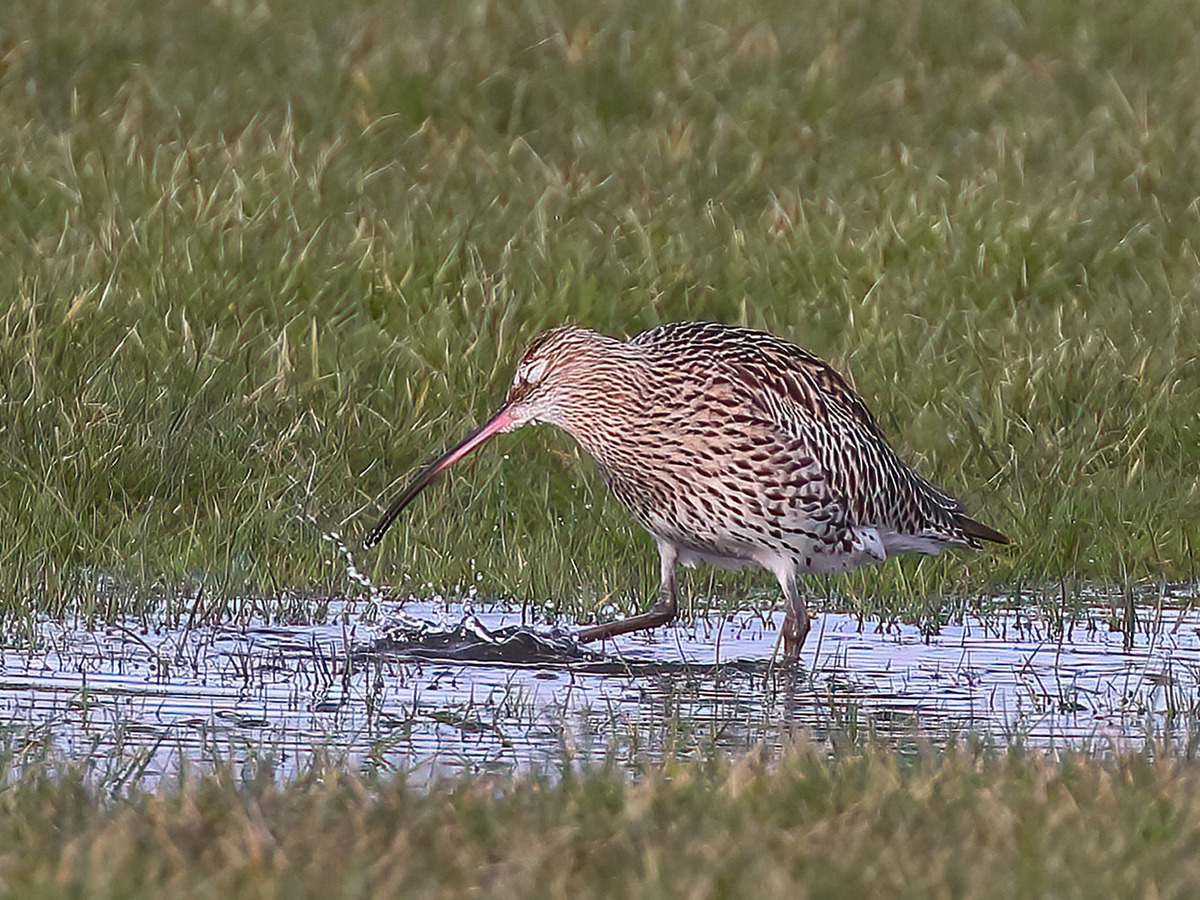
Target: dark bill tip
426, 476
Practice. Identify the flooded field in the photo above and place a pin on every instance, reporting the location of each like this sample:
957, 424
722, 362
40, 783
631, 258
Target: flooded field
434, 688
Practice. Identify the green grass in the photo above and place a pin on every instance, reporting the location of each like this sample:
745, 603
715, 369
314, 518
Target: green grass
956, 823
259, 260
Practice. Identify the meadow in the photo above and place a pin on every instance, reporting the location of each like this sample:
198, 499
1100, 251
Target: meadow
957, 824
261, 260
258, 260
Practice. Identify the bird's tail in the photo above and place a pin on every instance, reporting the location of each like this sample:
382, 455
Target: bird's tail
977, 530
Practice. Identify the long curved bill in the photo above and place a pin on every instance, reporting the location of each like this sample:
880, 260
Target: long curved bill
489, 429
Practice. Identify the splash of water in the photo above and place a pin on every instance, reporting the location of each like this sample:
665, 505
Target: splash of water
467, 640
353, 572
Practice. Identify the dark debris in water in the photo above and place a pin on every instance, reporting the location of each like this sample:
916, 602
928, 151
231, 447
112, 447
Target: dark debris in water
470, 641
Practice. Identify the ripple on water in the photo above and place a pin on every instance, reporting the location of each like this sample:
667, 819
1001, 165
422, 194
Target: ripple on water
436, 688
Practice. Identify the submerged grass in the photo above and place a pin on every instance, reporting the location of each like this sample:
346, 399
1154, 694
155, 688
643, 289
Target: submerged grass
256, 260
958, 823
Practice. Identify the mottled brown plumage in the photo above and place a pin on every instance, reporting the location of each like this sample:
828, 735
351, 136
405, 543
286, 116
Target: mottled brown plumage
731, 447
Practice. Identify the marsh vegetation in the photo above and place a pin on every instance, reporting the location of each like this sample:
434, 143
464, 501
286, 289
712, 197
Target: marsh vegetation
258, 259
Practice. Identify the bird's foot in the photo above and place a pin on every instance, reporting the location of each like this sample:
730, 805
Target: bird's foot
795, 630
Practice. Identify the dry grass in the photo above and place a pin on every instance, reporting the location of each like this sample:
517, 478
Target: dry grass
871, 824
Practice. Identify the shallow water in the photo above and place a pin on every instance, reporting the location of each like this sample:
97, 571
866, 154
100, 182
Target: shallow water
432, 689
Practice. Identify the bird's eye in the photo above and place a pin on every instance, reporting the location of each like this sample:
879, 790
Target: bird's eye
532, 372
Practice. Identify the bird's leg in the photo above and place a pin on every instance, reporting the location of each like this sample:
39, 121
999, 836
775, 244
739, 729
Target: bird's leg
661, 613
795, 622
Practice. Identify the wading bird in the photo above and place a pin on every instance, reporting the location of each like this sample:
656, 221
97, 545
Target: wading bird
731, 447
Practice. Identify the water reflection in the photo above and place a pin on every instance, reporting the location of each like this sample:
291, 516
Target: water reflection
433, 689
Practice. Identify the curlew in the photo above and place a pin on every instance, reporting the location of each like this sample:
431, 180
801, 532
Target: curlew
731, 447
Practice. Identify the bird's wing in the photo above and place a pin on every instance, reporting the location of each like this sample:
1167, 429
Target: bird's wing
818, 414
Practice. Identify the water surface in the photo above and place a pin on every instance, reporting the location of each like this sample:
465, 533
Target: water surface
435, 688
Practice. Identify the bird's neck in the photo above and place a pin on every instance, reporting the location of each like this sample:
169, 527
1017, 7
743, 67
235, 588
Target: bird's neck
604, 400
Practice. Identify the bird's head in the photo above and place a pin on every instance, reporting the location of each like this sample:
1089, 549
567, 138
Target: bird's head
547, 383
552, 370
